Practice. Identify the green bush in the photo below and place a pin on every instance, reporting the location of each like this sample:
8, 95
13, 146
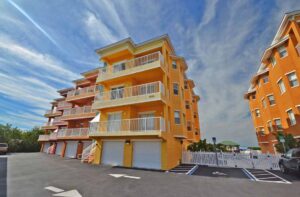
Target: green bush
19, 140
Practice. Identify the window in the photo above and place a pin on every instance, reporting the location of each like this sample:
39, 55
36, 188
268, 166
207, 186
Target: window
189, 126
270, 126
187, 105
185, 85
264, 104
182, 93
257, 113
271, 100
119, 67
266, 79
174, 65
195, 115
293, 79
273, 61
278, 124
177, 117
281, 86
291, 117
282, 51
261, 131
175, 88
253, 96
296, 153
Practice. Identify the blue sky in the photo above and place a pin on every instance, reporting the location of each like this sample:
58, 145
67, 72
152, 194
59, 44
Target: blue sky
44, 45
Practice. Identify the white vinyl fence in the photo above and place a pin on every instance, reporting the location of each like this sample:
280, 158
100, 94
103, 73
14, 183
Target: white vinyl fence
236, 160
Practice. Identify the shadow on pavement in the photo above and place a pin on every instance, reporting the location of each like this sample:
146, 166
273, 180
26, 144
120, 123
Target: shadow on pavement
3, 177
220, 172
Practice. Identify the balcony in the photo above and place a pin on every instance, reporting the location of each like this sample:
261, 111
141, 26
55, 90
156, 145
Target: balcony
58, 121
136, 65
81, 93
64, 105
152, 126
130, 95
44, 138
52, 113
73, 133
79, 113
53, 136
49, 125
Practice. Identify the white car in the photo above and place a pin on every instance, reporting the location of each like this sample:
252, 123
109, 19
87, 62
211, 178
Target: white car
3, 148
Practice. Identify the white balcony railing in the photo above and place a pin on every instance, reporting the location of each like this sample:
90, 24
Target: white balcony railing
53, 136
78, 110
58, 120
62, 104
47, 124
73, 132
139, 61
44, 137
133, 91
82, 91
131, 126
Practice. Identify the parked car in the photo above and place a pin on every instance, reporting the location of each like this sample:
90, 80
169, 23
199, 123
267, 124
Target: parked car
3, 148
290, 161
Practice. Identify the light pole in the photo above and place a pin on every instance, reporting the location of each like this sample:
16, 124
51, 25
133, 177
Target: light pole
214, 139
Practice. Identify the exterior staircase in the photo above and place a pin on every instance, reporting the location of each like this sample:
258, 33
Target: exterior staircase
184, 169
88, 154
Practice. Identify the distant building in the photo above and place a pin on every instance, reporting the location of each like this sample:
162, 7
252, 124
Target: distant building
274, 93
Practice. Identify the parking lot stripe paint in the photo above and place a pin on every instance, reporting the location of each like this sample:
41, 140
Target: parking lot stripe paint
273, 178
54, 189
279, 177
248, 174
71, 193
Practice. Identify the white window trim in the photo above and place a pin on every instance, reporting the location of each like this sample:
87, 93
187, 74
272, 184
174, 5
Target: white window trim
294, 71
179, 116
269, 100
120, 62
263, 79
177, 89
146, 112
279, 86
288, 110
117, 86
285, 50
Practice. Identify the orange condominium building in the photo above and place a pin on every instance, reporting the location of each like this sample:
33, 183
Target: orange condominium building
138, 110
274, 94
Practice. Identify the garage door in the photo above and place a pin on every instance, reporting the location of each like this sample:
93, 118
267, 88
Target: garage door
112, 153
71, 149
147, 154
46, 146
59, 148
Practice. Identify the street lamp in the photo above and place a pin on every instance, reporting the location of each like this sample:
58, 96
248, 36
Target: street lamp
214, 139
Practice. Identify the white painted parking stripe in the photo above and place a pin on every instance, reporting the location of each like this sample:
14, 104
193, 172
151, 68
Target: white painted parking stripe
263, 173
54, 189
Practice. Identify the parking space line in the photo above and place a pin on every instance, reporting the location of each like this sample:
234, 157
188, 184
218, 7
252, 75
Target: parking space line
260, 176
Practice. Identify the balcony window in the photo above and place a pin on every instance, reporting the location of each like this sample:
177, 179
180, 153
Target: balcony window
187, 105
291, 116
282, 51
117, 93
293, 81
266, 79
270, 127
273, 61
281, 86
271, 100
177, 117
119, 67
257, 113
175, 88
264, 104
174, 65
278, 124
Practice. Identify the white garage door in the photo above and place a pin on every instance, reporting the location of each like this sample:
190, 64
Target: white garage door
71, 149
147, 154
112, 153
46, 146
59, 148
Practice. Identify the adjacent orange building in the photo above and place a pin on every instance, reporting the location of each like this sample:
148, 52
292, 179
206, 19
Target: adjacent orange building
139, 110
274, 94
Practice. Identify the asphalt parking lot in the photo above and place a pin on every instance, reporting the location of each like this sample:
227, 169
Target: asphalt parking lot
29, 174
